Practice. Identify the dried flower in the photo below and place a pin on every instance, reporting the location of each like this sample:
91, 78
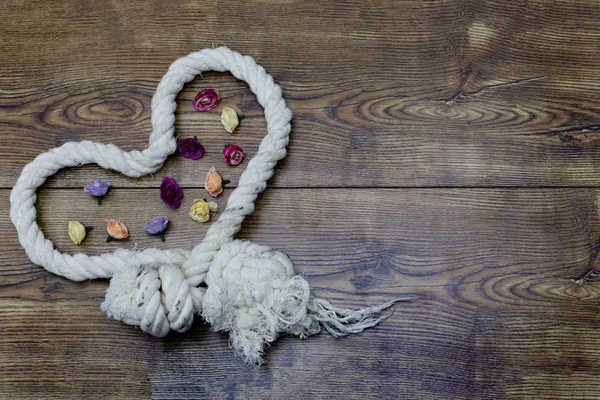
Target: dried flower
97, 189
116, 230
229, 119
190, 148
77, 231
170, 192
233, 154
201, 209
206, 99
157, 226
213, 183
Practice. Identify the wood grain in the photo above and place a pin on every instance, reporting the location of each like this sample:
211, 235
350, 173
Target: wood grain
494, 312
385, 94
444, 150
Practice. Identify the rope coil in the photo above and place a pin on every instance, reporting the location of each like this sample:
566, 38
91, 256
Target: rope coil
159, 290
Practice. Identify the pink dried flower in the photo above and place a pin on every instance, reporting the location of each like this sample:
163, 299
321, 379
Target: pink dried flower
206, 99
233, 154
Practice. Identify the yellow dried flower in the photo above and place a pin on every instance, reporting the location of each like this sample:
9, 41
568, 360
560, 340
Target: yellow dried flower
77, 231
200, 210
229, 119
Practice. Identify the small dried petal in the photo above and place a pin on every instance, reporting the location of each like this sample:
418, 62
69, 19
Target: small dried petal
200, 210
233, 154
206, 99
97, 188
190, 148
213, 183
116, 229
170, 192
77, 231
156, 225
229, 119
213, 206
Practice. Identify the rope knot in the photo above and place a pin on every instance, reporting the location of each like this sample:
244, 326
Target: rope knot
157, 301
253, 291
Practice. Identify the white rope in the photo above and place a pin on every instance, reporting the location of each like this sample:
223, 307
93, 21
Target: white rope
160, 289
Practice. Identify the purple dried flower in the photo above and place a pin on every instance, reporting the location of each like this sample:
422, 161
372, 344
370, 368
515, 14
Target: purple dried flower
190, 148
157, 226
97, 189
170, 192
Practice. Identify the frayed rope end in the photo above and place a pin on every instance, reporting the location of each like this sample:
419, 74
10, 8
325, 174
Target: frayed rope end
341, 322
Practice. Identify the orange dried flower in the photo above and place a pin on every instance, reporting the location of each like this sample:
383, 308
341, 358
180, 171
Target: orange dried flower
213, 183
116, 230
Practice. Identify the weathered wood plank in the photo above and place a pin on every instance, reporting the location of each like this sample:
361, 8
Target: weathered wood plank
426, 350
386, 94
494, 313
447, 93
366, 139
499, 248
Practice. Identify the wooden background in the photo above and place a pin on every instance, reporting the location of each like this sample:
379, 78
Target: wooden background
445, 150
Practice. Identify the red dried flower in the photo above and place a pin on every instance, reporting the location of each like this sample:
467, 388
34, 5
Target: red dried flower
206, 99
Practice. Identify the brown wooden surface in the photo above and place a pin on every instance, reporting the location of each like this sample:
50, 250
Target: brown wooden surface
443, 150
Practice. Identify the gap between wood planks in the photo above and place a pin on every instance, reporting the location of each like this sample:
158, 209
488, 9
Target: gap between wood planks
486, 187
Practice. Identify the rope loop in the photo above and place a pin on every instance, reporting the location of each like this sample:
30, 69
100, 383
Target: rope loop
252, 292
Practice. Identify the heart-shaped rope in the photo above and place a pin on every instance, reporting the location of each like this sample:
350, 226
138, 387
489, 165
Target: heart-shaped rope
250, 290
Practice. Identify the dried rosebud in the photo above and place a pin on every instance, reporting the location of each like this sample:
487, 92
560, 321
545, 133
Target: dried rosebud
206, 99
233, 154
116, 230
190, 148
157, 226
97, 189
170, 192
200, 210
77, 231
213, 183
229, 119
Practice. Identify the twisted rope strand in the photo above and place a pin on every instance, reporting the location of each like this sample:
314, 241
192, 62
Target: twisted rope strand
139, 163
136, 163
252, 291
